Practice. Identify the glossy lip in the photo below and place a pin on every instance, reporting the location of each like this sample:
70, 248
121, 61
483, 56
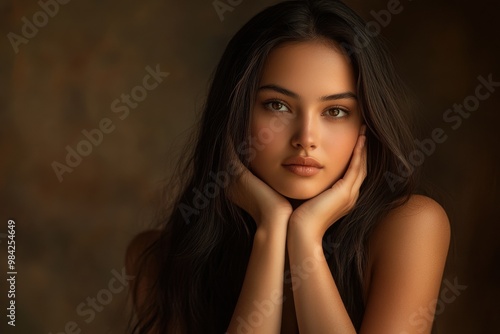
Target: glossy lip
303, 166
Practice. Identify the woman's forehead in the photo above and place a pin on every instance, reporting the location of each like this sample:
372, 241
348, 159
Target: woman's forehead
308, 68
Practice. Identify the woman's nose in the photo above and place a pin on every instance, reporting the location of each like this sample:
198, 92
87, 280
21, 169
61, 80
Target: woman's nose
305, 133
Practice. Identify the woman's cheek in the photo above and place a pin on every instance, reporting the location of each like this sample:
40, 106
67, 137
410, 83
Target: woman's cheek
342, 151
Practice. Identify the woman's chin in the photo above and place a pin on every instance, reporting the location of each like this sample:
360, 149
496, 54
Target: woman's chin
299, 195
296, 192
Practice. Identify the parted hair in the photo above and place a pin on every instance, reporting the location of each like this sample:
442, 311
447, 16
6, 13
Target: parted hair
203, 249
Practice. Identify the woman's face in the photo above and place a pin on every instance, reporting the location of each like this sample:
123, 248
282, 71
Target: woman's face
306, 106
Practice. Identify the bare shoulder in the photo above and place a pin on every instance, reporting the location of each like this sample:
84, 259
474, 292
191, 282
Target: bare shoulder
407, 255
417, 231
418, 206
421, 220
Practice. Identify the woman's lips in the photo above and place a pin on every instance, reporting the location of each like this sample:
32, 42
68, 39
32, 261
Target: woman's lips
302, 166
302, 170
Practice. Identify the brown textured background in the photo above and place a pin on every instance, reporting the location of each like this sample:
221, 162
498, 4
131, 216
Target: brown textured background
71, 235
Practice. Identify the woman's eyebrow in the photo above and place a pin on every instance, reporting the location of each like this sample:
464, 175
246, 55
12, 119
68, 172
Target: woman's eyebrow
338, 96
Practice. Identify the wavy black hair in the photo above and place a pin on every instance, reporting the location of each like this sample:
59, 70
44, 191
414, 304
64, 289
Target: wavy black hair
206, 240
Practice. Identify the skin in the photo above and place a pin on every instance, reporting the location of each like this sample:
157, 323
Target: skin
293, 213
408, 248
304, 124
310, 129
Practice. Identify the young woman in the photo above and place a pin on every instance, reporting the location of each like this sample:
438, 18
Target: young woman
297, 209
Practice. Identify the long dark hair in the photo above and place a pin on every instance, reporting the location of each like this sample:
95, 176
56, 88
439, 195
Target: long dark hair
206, 240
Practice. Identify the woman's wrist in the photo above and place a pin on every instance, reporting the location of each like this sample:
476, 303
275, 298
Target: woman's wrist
272, 225
303, 233
274, 217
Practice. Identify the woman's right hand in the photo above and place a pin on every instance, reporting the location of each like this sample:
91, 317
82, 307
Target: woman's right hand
254, 196
264, 273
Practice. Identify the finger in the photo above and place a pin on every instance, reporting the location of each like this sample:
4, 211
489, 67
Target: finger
356, 163
363, 129
362, 170
363, 153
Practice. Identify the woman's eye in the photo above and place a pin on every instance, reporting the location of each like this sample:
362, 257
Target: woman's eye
276, 106
337, 112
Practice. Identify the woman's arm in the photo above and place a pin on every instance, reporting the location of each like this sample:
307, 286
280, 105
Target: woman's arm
318, 304
408, 250
259, 305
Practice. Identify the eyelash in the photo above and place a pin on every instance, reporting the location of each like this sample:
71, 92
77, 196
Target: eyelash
267, 103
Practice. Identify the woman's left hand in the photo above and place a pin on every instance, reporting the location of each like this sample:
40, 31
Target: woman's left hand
316, 215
